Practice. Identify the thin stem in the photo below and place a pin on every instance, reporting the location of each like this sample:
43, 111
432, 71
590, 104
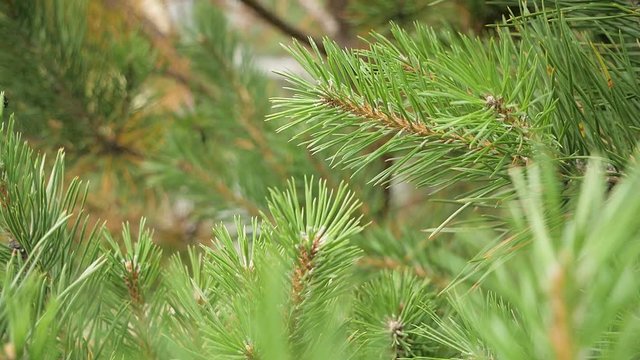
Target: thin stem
282, 25
394, 121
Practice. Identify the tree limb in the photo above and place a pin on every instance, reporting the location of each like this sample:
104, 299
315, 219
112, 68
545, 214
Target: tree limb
282, 25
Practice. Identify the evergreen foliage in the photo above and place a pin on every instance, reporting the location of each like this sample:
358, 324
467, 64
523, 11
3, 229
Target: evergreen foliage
448, 119
122, 133
539, 121
50, 43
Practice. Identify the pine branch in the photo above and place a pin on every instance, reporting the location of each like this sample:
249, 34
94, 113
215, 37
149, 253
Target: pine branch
384, 112
281, 24
304, 267
419, 98
178, 68
402, 125
555, 288
389, 308
247, 108
56, 264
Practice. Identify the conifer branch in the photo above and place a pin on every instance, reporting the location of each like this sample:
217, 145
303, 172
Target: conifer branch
178, 66
304, 267
180, 71
542, 284
247, 109
281, 24
371, 113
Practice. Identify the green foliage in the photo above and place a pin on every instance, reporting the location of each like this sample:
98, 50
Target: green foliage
222, 141
378, 13
573, 288
286, 287
226, 120
443, 119
389, 310
42, 290
96, 79
555, 80
224, 299
549, 271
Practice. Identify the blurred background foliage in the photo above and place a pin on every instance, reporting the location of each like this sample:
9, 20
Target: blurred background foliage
162, 105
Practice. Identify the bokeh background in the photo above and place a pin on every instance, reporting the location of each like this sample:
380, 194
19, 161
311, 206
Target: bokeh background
163, 106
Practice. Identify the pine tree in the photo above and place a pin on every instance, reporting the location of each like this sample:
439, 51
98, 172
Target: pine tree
537, 121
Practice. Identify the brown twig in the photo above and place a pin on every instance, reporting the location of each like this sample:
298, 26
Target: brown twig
131, 281
560, 333
282, 25
304, 267
344, 35
302, 272
366, 111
